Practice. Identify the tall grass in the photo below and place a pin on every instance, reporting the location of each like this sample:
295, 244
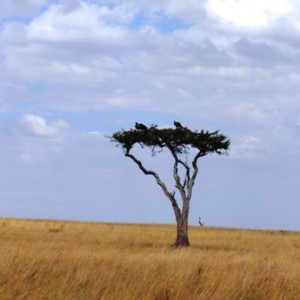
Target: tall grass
72, 260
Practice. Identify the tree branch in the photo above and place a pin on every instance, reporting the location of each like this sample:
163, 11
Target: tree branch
178, 184
170, 195
195, 172
187, 177
175, 170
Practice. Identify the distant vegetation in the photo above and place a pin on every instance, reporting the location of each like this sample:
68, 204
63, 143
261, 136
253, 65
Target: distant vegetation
72, 260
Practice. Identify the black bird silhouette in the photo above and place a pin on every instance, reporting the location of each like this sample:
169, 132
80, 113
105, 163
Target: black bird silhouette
140, 126
177, 125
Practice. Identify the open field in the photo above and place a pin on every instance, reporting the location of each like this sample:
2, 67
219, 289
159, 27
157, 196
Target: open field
42, 259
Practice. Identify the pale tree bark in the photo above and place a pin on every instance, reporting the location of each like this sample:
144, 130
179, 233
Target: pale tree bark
184, 187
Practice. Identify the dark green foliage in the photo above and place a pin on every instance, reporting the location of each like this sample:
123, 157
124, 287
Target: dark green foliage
177, 140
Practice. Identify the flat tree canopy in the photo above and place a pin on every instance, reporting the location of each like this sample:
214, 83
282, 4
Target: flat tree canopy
179, 141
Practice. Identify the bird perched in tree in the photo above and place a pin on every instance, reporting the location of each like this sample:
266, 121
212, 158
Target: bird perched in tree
177, 125
140, 126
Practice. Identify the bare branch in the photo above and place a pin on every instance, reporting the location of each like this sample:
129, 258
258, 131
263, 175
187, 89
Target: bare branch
170, 195
195, 173
187, 177
178, 184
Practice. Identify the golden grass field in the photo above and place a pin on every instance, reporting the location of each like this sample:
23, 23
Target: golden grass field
41, 259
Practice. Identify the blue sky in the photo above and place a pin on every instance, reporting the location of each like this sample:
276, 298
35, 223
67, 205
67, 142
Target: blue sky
73, 72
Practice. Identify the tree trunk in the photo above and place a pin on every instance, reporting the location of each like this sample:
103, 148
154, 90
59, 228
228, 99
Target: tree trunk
182, 239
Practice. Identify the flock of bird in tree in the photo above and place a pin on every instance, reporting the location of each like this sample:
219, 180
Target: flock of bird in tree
141, 126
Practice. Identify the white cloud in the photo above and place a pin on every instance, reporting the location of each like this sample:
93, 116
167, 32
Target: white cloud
78, 47
81, 55
38, 126
86, 23
249, 13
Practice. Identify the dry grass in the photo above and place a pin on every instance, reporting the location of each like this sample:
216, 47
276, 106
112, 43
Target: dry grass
69, 260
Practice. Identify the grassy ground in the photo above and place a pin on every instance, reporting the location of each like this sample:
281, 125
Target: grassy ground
69, 260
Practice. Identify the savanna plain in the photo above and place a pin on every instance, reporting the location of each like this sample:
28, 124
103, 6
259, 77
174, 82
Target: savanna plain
43, 259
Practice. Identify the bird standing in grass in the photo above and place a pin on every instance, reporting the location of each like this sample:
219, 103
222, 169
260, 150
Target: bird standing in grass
200, 223
140, 126
177, 124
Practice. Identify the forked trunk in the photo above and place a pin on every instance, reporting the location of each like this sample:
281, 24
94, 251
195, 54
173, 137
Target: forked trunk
182, 239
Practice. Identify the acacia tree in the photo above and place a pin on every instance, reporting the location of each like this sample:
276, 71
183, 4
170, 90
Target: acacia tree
180, 142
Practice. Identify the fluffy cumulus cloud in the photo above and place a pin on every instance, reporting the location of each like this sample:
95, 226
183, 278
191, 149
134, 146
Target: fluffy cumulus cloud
69, 68
37, 126
247, 13
110, 52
